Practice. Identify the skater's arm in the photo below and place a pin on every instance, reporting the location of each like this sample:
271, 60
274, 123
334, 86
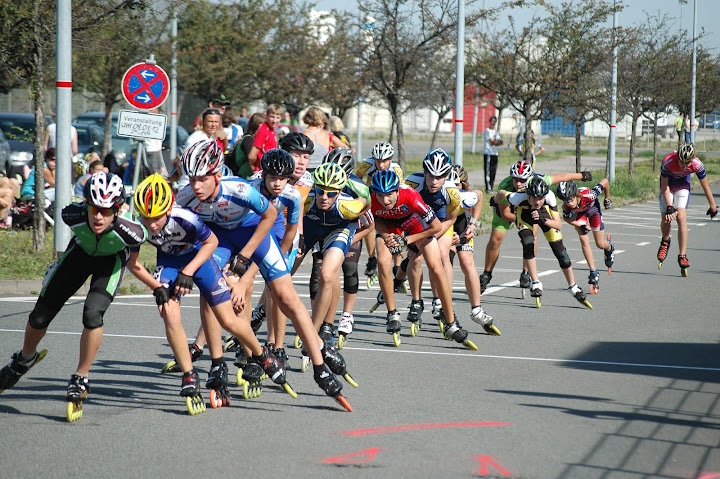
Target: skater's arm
705, 185
434, 229
560, 177
665, 192
554, 221
139, 271
288, 238
202, 256
364, 230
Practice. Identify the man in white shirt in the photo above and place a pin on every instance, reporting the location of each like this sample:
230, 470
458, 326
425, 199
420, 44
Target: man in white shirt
50, 137
491, 140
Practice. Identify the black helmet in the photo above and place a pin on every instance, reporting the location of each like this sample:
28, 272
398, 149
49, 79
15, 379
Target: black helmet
343, 157
537, 187
297, 141
277, 162
566, 190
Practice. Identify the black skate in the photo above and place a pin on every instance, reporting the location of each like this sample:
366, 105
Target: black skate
380, 300
371, 271
282, 357
258, 318
456, 332
663, 251
11, 374
609, 256
190, 390
594, 281
332, 387
217, 384
274, 370
579, 294
684, 265
392, 326
485, 279
78, 389
250, 379
417, 306
525, 282
241, 359
195, 353
328, 333
336, 363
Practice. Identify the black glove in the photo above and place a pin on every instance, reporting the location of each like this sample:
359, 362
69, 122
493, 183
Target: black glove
711, 212
301, 244
586, 175
239, 265
607, 203
184, 281
670, 210
401, 245
162, 295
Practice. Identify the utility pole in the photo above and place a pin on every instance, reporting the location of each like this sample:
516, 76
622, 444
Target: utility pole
613, 103
63, 121
460, 83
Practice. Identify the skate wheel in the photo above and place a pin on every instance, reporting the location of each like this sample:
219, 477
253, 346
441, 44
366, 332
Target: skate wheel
341, 341
593, 289
396, 339
251, 391
684, 272
414, 328
587, 304
523, 292
288, 389
493, 330
239, 379
304, 364
441, 325
74, 411
343, 402
171, 367
215, 400
377, 305
195, 404
537, 302
226, 398
350, 380
470, 345
298, 342
660, 265
609, 271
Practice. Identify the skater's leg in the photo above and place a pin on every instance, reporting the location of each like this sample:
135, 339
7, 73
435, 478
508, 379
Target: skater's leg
329, 276
415, 276
90, 341
350, 283
472, 280
601, 240
176, 336
212, 329
586, 248
492, 250
682, 230
431, 252
238, 327
444, 243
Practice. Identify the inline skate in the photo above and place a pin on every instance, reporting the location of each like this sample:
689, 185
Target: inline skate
258, 317
336, 363
347, 321
525, 282
392, 326
190, 390
610, 256
195, 353
78, 389
437, 312
663, 251
231, 344
328, 333
594, 281
579, 294
485, 278
479, 316
380, 300
332, 387
684, 265
11, 374
217, 383
417, 306
371, 271
454, 331
536, 292
273, 368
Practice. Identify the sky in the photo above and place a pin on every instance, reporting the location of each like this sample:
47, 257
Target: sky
708, 14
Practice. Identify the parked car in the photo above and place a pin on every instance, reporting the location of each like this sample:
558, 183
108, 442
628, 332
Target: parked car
711, 120
19, 129
121, 146
89, 136
182, 136
4, 154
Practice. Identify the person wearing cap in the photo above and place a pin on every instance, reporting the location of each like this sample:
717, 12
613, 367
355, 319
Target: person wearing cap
216, 101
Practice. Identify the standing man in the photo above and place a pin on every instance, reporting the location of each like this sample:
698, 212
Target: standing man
153, 153
679, 121
491, 140
265, 138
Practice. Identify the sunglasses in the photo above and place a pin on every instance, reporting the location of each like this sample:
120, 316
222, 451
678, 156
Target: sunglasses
330, 194
94, 210
212, 111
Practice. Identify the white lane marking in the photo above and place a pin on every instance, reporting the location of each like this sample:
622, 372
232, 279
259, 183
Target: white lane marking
644, 243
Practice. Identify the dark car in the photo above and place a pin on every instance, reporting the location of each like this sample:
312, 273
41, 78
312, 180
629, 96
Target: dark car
121, 146
710, 120
4, 154
182, 136
19, 129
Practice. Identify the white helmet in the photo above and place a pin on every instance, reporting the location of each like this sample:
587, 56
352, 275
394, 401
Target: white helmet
104, 190
203, 158
382, 151
437, 162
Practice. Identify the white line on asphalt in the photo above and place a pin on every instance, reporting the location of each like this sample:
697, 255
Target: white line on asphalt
644, 243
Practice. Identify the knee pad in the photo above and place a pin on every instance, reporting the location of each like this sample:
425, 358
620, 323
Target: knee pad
528, 243
93, 315
561, 254
42, 315
404, 264
452, 257
395, 270
350, 271
315, 277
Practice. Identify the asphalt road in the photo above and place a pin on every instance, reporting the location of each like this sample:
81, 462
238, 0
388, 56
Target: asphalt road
630, 389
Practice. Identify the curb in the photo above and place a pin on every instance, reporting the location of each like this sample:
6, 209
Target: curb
32, 287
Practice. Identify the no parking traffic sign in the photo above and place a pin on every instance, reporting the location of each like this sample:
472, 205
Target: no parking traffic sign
145, 86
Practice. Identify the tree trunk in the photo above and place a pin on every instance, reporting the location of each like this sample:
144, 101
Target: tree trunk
37, 85
528, 146
392, 125
108, 127
400, 142
437, 129
578, 147
631, 161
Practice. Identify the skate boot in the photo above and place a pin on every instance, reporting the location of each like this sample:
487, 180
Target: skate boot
579, 294
190, 390
11, 374
332, 387
241, 358
525, 282
380, 300
594, 281
415, 315
274, 370
436, 308
328, 333
456, 332
684, 265
195, 353
536, 292
401, 286
371, 271
258, 317
347, 321
282, 357
250, 379
663, 251
479, 316
231, 344
217, 383
610, 256
485, 279
336, 363
78, 389
392, 326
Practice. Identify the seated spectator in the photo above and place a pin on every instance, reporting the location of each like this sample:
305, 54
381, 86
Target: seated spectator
95, 167
28, 187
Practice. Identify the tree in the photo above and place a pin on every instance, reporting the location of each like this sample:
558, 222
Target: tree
436, 94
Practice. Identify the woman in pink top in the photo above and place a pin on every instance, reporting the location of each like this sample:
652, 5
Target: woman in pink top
322, 138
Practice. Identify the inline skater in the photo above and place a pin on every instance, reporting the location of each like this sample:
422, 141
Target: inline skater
538, 206
99, 249
504, 215
403, 220
381, 159
185, 246
465, 229
675, 197
444, 198
229, 207
581, 208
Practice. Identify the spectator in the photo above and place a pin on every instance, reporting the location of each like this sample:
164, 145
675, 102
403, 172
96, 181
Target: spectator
535, 147
491, 140
9, 191
265, 138
243, 119
130, 168
153, 154
233, 132
337, 126
95, 167
51, 136
216, 101
237, 161
28, 187
323, 139
679, 122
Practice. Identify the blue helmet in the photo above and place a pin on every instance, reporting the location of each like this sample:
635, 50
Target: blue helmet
385, 181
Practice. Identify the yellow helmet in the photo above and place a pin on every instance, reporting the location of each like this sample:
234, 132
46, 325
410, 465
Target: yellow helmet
331, 175
153, 196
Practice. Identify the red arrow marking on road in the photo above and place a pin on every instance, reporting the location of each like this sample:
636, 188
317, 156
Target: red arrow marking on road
485, 462
370, 453
415, 427
710, 475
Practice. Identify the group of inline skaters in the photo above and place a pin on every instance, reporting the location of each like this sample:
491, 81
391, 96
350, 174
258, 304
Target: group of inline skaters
219, 231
